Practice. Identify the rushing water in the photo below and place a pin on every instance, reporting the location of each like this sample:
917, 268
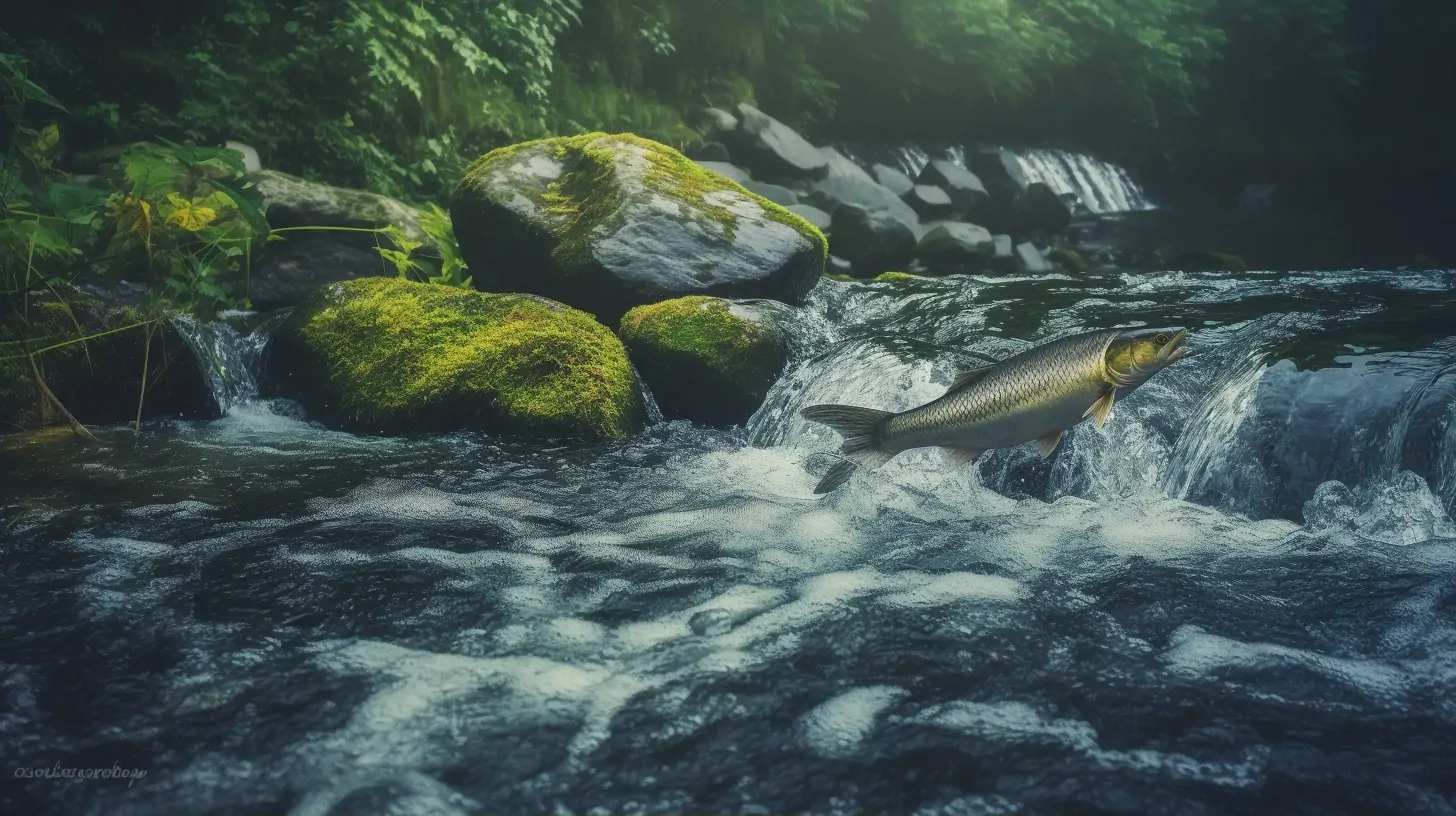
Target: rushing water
1102, 187
1098, 186
1238, 597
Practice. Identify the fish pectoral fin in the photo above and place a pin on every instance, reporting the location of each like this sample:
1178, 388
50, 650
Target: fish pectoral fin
1047, 444
1101, 409
956, 457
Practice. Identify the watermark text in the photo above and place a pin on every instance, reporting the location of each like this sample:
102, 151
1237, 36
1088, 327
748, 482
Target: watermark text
57, 772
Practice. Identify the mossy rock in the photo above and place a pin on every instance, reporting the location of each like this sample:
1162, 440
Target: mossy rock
1205, 261
899, 277
705, 358
91, 354
605, 223
893, 276
390, 356
1067, 259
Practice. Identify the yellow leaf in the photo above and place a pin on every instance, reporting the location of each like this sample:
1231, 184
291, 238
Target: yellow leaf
136, 215
188, 215
50, 136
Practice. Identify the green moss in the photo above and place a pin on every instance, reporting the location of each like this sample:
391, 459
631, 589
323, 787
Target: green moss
705, 358
705, 329
1067, 259
394, 352
586, 194
891, 277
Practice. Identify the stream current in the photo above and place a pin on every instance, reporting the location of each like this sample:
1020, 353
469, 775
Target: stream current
1238, 597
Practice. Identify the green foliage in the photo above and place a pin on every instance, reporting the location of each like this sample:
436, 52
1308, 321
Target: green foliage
396, 96
188, 221
440, 262
386, 95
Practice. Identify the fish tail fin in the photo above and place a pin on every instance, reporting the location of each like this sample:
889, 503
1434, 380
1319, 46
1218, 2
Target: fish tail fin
860, 429
858, 426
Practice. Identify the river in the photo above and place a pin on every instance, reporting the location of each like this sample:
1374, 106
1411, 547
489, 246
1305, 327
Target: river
1238, 597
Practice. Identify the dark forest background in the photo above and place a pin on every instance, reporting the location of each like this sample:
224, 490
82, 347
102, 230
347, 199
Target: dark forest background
1344, 96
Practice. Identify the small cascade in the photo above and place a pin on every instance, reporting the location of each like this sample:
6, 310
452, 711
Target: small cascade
649, 402
230, 359
1101, 187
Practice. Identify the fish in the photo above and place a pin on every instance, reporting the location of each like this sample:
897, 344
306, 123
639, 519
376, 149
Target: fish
1035, 395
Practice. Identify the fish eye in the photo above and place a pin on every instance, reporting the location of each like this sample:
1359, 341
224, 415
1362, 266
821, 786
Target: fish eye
1161, 339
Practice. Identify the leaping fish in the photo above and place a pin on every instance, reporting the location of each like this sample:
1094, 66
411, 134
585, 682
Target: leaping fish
1035, 395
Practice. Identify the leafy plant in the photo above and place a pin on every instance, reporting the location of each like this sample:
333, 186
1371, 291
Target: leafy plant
187, 218
444, 266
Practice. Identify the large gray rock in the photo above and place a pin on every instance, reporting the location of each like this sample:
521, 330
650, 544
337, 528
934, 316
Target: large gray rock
1031, 260
898, 182
931, 203
1001, 173
832, 193
772, 150
813, 215
841, 166
708, 151
871, 240
728, 171
964, 187
605, 223
304, 260
716, 124
251, 162
956, 247
848, 183
782, 196
1040, 209
1003, 258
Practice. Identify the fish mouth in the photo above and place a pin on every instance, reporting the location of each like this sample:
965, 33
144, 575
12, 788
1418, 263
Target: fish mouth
1174, 350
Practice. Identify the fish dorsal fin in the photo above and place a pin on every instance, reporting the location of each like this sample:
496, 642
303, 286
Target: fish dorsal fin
1101, 409
1048, 444
956, 457
965, 378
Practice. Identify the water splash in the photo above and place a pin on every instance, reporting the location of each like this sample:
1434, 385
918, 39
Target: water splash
1212, 429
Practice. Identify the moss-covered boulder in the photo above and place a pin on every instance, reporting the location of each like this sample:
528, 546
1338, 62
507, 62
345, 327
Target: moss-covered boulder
608, 222
389, 356
91, 354
708, 359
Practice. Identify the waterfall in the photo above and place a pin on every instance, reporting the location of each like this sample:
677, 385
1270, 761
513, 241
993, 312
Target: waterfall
229, 358
1102, 187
